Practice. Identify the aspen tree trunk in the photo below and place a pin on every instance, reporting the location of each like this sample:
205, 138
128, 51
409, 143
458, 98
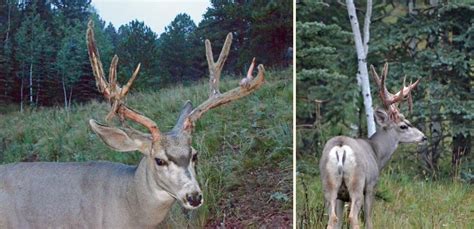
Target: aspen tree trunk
8, 22
31, 83
38, 87
21, 96
70, 98
362, 48
6, 43
65, 94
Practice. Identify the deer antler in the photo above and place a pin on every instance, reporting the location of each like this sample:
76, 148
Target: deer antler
247, 85
112, 90
391, 101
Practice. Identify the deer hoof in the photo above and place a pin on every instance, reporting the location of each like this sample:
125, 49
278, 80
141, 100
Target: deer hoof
332, 221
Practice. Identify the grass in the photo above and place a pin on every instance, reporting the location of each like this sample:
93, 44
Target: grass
402, 201
252, 133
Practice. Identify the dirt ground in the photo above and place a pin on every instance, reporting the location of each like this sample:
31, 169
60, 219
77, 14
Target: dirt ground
250, 204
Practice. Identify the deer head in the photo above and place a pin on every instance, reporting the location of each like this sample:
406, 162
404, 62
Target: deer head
390, 117
169, 156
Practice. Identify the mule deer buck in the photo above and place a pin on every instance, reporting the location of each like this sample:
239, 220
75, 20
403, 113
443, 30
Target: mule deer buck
112, 195
351, 167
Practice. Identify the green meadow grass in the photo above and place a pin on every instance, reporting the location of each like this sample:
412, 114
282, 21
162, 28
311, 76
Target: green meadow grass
402, 201
244, 135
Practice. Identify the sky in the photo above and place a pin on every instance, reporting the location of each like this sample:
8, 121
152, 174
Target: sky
157, 14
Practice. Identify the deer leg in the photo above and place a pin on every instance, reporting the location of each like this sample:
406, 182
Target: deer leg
339, 212
331, 203
330, 194
356, 203
368, 201
356, 193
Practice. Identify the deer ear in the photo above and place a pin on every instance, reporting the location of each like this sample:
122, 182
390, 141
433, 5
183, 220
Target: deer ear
381, 117
181, 124
120, 140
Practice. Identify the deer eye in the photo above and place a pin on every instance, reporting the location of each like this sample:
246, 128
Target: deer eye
160, 162
195, 158
403, 127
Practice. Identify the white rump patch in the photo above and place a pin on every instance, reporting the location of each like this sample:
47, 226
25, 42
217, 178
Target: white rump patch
341, 159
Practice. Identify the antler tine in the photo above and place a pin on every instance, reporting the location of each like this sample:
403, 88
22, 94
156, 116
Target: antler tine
245, 82
397, 98
126, 88
224, 52
385, 70
112, 91
384, 94
247, 85
94, 58
113, 74
215, 69
375, 75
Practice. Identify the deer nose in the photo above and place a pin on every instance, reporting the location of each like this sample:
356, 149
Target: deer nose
424, 138
195, 199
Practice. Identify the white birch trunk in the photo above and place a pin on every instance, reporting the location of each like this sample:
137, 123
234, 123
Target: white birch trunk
8, 23
21, 96
362, 47
31, 83
410, 7
70, 98
65, 95
38, 85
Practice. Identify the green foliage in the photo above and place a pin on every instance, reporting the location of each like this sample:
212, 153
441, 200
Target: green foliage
71, 56
178, 58
437, 49
73, 9
32, 51
327, 92
440, 53
271, 31
261, 29
137, 45
60, 69
9, 23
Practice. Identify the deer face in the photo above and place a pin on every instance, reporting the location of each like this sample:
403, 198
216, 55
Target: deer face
170, 161
173, 165
402, 129
408, 133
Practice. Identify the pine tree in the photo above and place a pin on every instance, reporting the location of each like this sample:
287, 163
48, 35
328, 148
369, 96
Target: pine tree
32, 48
177, 55
137, 45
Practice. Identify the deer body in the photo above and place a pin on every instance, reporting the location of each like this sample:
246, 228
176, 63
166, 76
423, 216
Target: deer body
82, 195
350, 167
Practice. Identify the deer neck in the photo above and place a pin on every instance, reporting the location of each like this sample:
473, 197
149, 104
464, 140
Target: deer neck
152, 202
384, 143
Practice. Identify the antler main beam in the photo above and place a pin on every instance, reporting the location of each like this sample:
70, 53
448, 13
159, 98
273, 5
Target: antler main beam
247, 85
390, 100
111, 89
